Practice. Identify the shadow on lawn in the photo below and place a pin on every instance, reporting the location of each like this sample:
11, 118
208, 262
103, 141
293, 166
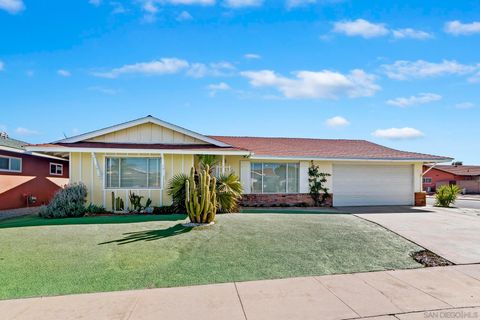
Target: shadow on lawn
150, 235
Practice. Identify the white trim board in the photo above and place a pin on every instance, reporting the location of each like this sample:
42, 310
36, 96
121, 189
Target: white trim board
137, 151
144, 120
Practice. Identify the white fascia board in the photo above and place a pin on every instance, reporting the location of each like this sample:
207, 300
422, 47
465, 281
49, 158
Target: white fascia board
137, 151
10, 149
137, 122
254, 157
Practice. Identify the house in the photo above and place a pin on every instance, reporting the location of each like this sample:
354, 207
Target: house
144, 154
28, 178
466, 177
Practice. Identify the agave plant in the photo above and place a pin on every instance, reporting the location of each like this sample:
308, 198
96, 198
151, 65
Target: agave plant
177, 190
229, 191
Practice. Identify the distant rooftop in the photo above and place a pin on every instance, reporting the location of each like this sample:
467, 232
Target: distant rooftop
6, 141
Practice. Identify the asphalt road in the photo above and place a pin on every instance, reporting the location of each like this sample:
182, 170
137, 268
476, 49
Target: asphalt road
470, 204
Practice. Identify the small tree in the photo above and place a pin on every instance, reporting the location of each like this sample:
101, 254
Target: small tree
316, 182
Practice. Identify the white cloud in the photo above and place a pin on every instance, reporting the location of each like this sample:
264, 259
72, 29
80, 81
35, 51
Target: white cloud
25, 132
2, 65
95, 2
403, 70
103, 90
215, 87
12, 6
64, 73
465, 105
184, 16
155, 67
252, 56
457, 28
360, 27
421, 98
199, 70
398, 133
320, 84
409, 33
242, 3
337, 122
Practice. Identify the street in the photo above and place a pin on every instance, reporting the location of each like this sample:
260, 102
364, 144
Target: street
469, 204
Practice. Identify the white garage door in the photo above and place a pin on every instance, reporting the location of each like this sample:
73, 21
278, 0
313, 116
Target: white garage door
369, 185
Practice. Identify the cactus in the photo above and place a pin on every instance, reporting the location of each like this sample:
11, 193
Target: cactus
201, 198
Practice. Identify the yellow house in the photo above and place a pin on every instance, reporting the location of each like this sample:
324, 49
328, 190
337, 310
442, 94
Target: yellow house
142, 155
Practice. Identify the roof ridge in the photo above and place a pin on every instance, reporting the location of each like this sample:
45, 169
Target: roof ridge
303, 138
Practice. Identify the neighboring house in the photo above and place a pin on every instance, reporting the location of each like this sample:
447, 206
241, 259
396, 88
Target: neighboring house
466, 177
28, 178
142, 155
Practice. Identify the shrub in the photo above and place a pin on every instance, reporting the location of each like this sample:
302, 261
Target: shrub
446, 195
67, 202
93, 209
316, 181
164, 210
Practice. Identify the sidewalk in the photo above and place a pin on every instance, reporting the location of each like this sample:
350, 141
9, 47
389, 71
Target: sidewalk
445, 293
13, 213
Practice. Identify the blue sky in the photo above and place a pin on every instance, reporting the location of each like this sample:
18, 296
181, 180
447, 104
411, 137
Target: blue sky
404, 74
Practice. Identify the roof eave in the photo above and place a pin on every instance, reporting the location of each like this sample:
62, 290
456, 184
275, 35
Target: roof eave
63, 149
424, 160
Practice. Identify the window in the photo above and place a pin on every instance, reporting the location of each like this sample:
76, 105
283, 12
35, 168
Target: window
427, 180
56, 169
274, 177
132, 173
10, 164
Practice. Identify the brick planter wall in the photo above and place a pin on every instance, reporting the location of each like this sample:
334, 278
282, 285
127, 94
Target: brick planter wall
278, 199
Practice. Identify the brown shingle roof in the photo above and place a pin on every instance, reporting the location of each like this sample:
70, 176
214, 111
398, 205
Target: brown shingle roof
322, 148
460, 170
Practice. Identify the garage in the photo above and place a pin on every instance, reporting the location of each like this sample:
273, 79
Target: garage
371, 185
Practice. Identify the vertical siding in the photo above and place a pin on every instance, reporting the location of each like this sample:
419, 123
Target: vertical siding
147, 133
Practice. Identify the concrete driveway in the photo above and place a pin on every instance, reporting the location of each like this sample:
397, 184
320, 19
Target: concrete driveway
451, 233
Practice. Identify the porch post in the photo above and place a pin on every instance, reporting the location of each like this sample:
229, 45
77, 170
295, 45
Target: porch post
223, 164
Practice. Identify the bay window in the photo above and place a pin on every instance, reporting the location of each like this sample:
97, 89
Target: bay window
133, 173
274, 177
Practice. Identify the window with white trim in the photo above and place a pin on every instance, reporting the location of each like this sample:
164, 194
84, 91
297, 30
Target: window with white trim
10, 164
56, 169
427, 180
274, 177
132, 173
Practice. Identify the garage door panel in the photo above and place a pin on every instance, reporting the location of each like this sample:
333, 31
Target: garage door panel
372, 185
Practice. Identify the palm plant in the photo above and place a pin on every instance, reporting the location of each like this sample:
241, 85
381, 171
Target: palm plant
446, 195
177, 190
205, 160
229, 191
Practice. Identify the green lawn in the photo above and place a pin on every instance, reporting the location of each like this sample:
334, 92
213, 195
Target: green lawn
50, 257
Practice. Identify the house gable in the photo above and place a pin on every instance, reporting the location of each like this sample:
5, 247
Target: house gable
147, 130
147, 133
